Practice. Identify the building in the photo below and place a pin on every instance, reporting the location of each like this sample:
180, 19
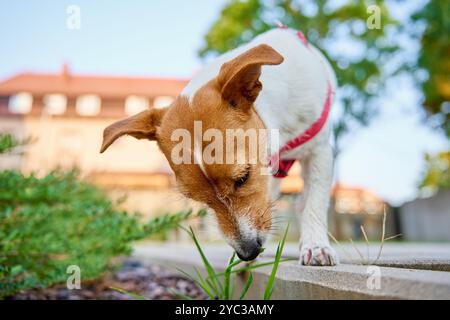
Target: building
427, 219
354, 207
65, 115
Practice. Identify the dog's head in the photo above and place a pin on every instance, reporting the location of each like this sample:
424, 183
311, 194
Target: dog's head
209, 140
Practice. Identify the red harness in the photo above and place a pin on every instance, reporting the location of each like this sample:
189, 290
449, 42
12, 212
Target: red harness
285, 164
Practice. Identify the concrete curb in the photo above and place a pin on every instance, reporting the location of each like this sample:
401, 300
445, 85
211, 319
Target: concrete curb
345, 281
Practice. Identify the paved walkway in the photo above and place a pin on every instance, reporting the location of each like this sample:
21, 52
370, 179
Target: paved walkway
405, 270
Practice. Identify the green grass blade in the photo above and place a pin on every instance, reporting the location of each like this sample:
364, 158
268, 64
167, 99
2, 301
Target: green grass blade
217, 292
209, 268
256, 266
227, 278
200, 282
130, 294
248, 283
179, 294
215, 284
205, 286
270, 281
235, 263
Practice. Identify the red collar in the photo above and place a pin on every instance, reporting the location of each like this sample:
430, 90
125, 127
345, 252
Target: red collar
284, 165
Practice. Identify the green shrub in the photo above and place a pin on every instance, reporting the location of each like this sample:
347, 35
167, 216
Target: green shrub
50, 223
9, 142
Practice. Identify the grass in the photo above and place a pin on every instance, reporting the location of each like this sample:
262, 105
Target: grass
367, 260
133, 295
219, 285
271, 280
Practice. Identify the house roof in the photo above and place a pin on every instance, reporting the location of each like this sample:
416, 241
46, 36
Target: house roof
341, 189
104, 86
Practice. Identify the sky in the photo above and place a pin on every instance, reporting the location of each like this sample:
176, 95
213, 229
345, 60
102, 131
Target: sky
162, 38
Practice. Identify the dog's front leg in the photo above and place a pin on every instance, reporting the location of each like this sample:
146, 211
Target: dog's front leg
315, 249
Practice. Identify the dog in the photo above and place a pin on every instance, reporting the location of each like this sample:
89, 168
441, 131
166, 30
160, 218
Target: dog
280, 82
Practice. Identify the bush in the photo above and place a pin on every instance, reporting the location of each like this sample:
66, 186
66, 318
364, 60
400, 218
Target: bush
8, 142
50, 223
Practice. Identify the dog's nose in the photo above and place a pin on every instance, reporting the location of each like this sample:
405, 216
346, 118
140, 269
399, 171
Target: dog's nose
249, 249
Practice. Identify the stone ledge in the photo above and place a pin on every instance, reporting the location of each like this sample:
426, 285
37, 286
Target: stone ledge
345, 281
423, 256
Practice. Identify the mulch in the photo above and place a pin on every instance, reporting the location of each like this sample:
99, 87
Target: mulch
153, 283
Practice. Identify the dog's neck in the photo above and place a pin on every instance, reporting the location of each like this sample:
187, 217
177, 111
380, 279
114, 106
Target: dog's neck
293, 93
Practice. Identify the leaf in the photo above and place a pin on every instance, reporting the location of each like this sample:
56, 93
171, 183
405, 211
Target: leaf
256, 266
177, 293
16, 270
215, 285
270, 281
248, 283
130, 294
227, 277
199, 281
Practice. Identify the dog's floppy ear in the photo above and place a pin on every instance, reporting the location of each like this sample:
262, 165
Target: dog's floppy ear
239, 78
141, 126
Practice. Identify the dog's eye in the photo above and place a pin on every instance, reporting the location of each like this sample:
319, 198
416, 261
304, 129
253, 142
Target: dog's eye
240, 182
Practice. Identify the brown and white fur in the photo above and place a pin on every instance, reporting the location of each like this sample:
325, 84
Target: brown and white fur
273, 82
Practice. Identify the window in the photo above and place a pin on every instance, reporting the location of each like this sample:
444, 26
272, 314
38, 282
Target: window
20, 103
55, 103
135, 104
88, 105
162, 101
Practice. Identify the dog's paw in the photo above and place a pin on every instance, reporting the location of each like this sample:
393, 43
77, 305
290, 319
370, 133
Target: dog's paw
318, 255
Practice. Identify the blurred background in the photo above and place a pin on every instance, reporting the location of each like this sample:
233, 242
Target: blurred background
68, 69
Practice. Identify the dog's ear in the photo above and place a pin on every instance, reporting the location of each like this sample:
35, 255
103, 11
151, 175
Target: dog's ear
239, 78
141, 126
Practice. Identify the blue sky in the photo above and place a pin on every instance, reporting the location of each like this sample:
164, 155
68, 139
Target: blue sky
158, 38
161, 38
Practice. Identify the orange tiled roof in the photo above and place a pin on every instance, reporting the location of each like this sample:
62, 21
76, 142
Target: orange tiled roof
104, 86
356, 191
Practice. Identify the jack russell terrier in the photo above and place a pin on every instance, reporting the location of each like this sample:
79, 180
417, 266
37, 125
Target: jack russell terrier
280, 82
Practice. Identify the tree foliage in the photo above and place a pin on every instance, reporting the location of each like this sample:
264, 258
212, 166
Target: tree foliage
51, 223
437, 175
360, 75
434, 58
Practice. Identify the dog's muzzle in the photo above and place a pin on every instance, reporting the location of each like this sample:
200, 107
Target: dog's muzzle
249, 249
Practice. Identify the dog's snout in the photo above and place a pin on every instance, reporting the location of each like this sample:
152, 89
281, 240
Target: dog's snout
249, 249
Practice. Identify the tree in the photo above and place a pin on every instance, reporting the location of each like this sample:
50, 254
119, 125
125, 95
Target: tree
434, 58
361, 77
437, 175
